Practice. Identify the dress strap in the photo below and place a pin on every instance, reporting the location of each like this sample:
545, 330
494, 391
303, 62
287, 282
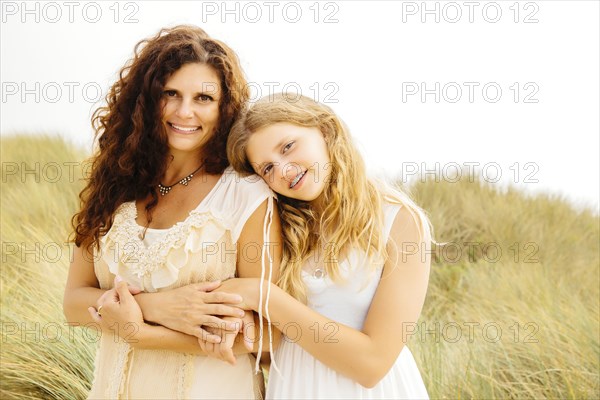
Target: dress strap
389, 215
266, 255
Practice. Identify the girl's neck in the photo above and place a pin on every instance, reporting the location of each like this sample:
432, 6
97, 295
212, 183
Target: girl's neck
318, 205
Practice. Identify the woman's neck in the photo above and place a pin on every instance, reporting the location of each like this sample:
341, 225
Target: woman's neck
180, 166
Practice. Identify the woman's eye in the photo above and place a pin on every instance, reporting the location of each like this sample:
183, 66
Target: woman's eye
205, 98
288, 146
170, 93
267, 169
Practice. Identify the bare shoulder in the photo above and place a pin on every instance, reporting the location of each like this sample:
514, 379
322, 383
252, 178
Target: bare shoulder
409, 226
241, 180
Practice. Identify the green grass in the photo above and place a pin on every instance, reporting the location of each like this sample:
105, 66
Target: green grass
42, 357
542, 291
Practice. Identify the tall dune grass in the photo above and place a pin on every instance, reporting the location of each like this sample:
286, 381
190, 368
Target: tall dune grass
42, 357
542, 291
520, 324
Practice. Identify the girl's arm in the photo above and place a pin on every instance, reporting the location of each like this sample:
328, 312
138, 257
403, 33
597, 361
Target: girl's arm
121, 315
249, 265
365, 356
82, 292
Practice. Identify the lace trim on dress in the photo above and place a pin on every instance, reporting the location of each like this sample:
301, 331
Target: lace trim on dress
186, 371
157, 261
117, 382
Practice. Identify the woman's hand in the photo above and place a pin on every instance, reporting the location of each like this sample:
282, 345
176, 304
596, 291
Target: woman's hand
193, 308
118, 312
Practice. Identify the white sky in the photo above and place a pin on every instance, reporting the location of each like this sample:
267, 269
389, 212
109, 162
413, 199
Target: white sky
368, 62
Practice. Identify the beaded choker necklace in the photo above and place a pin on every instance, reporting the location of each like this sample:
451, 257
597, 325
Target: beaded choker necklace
166, 189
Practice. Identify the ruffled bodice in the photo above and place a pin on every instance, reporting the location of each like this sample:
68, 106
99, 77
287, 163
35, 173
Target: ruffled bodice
201, 248
202, 240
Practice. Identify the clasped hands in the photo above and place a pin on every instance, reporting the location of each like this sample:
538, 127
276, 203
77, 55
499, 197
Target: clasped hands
203, 310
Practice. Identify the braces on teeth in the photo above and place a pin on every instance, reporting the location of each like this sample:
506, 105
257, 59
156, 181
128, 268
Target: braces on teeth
296, 179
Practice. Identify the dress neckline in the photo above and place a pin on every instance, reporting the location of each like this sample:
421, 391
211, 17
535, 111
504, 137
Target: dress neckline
195, 210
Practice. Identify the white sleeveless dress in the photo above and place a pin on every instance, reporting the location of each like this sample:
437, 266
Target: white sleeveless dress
201, 248
304, 377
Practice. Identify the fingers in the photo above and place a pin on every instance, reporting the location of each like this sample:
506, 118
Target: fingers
207, 286
206, 336
112, 296
206, 347
219, 351
94, 313
123, 291
211, 321
223, 310
132, 289
229, 325
228, 339
249, 330
208, 327
223, 298
226, 354
224, 349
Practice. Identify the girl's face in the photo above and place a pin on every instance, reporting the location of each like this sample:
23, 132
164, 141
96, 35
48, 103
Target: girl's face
293, 160
190, 106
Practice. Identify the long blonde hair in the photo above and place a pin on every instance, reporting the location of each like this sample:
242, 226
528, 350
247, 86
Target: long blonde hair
353, 211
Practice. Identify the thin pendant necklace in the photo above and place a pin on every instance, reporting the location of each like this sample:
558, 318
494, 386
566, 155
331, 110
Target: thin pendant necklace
318, 273
166, 189
317, 269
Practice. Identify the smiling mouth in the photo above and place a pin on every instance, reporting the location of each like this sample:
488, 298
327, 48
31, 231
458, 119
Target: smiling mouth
297, 179
183, 129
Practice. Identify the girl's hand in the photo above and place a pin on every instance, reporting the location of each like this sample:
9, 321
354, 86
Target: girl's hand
117, 311
247, 288
224, 350
192, 308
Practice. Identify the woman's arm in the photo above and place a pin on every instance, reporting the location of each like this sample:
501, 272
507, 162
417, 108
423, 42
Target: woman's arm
128, 314
82, 289
121, 315
196, 303
189, 308
365, 356
184, 309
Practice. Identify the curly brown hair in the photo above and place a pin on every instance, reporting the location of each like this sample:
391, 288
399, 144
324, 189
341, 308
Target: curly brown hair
132, 152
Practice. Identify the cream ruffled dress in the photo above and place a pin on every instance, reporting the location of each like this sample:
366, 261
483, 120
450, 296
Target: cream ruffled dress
200, 248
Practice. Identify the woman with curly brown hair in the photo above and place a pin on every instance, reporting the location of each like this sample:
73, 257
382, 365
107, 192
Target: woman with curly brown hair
164, 218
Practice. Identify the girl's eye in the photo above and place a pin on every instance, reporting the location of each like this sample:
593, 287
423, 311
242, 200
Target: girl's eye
267, 169
170, 93
288, 146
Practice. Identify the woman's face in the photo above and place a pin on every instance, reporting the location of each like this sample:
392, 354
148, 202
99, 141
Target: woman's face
293, 160
190, 106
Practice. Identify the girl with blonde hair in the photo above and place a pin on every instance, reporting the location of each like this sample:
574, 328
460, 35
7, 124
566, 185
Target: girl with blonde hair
355, 265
